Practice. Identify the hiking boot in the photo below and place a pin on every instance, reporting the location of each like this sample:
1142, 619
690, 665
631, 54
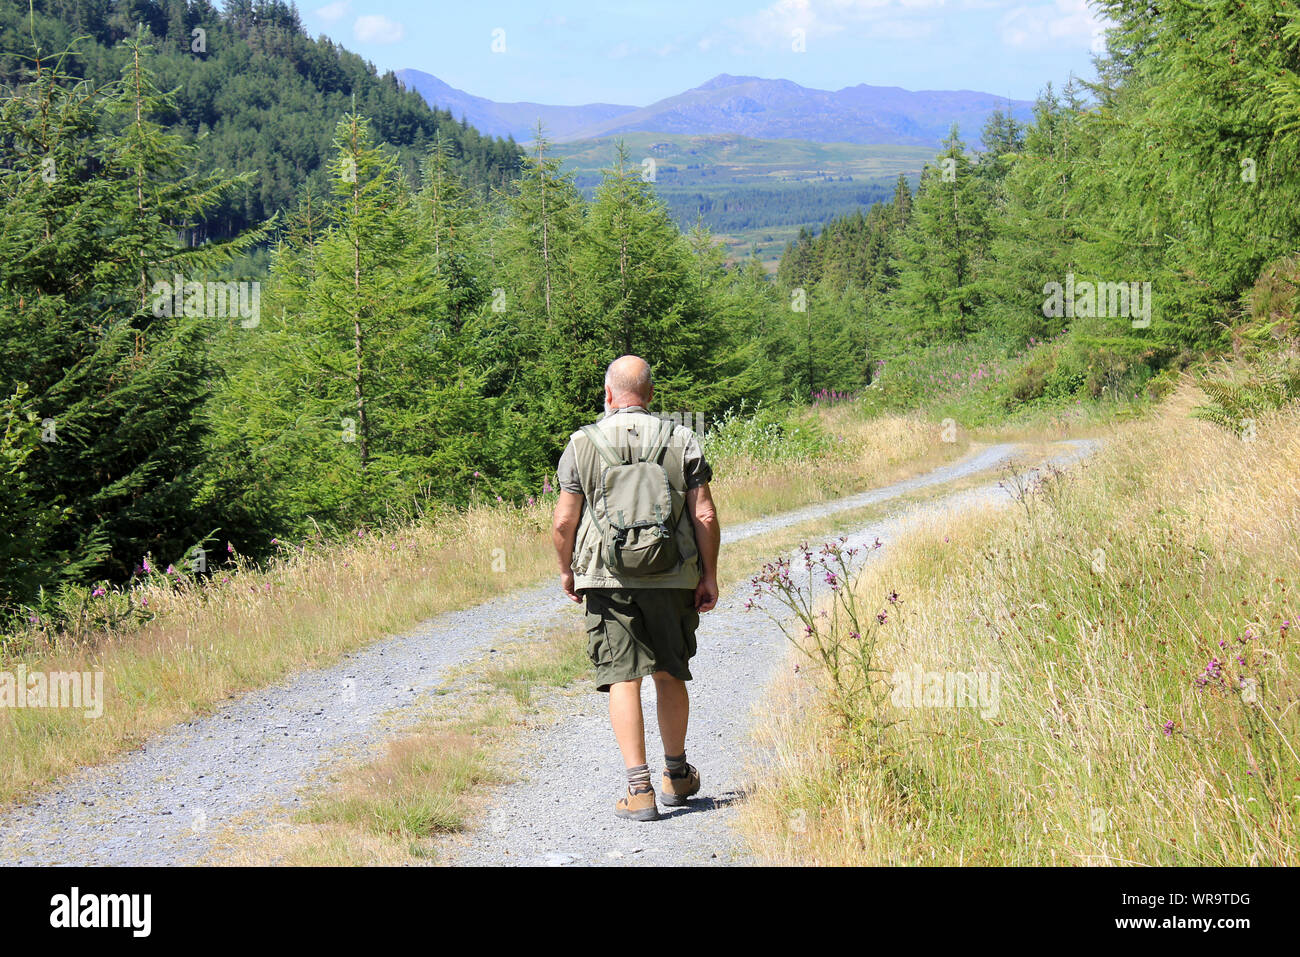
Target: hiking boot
677, 788
638, 806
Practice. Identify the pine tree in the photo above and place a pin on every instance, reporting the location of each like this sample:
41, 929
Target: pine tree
944, 248
95, 194
29, 517
1038, 233
636, 276
1197, 103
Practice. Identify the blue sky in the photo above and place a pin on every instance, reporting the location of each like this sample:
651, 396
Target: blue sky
638, 51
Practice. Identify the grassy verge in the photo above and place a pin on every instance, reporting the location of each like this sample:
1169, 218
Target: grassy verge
769, 465
426, 782
1137, 620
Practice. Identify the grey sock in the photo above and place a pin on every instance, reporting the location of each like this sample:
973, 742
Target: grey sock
676, 765
638, 778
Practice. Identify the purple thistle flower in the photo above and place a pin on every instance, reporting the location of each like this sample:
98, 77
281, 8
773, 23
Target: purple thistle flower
1169, 729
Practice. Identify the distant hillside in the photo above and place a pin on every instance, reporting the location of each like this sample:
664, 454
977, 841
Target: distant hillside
266, 95
745, 106
508, 119
698, 160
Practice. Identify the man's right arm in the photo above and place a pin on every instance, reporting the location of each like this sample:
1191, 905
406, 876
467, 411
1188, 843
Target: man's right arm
708, 538
564, 530
568, 514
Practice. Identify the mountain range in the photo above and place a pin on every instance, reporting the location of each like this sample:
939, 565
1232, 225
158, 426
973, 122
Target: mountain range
742, 105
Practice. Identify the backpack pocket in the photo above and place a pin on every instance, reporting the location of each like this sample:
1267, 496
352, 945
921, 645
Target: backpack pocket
642, 550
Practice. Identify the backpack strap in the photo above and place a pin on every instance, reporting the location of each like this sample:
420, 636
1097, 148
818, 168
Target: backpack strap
603, 446
656, 449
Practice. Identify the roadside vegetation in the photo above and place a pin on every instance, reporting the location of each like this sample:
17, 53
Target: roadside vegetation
1136, 616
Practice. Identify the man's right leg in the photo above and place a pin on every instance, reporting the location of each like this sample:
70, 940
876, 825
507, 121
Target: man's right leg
674, 707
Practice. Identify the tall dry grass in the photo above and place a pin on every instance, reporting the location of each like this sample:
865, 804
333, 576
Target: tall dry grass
248, 626
1139, 615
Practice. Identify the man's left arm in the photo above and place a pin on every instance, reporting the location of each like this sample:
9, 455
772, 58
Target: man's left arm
564, 531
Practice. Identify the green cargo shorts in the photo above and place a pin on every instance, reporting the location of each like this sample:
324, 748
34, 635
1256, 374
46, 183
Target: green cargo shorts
634, 632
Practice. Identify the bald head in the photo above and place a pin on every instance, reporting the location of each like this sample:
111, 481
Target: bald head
627, 382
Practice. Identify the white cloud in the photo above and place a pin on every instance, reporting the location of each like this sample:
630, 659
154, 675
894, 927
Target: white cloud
333, 11
377, 28
776, 24
1051, 24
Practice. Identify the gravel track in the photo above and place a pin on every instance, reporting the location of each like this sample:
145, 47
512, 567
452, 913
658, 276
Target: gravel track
166, 802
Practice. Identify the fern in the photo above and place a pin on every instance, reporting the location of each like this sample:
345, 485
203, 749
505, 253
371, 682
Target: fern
1248, 394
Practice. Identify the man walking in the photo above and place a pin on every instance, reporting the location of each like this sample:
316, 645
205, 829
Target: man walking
636, 535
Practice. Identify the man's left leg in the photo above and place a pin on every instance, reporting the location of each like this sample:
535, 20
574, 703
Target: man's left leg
629, 724
681, 780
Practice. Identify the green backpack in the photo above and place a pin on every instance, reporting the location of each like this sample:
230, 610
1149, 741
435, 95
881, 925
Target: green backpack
634, 515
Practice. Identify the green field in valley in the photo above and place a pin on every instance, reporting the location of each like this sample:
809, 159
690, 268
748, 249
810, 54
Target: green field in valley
752, 193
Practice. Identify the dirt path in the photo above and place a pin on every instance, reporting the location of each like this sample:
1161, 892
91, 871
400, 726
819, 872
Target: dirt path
165, 802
